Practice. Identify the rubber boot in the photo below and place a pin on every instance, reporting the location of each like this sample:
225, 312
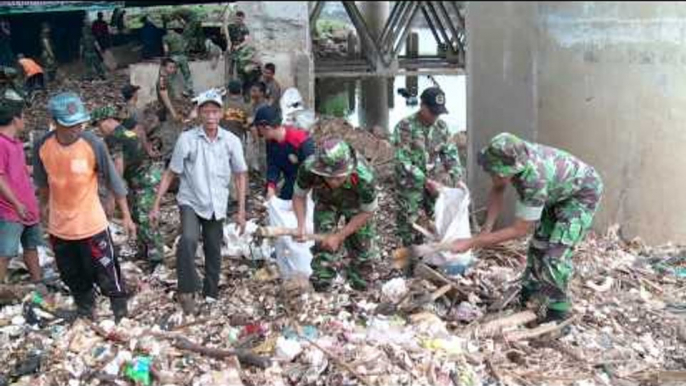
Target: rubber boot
558, 317
119, 307
187, 302
85, 304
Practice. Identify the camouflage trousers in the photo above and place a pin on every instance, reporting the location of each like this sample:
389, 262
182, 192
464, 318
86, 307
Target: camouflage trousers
185, 71
410, 201
549, 259
94, 66
143, 190
360, 246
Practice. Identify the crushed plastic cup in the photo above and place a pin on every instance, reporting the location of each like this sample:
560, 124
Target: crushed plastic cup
287, 349
394, 289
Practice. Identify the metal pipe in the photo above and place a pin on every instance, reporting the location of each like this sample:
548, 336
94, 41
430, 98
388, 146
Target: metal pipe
396, 47
431, 26
363, 31
451, 25
407, 19
439, 22
393, 24
318, 6
394, 11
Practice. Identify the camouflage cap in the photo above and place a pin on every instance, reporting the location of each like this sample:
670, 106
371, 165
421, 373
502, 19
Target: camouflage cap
505, 155
103, 112
334, 158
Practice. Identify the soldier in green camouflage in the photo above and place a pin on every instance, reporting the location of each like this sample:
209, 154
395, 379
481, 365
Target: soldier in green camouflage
91, 53
140, 172
557, 192
193, 33
424, 158
343, 185
47, 53
176, 47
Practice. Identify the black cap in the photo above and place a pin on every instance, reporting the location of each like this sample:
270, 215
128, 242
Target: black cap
128, 91
235, 87
434, 99
267, 115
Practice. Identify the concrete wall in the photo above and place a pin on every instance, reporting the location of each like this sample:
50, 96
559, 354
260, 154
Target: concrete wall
501, 71
605, 79
279, 30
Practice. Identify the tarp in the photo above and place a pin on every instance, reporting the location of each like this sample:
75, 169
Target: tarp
14, 7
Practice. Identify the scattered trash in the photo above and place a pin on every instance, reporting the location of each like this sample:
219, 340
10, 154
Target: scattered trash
466, 312
394, 290
287, 349
139, 371
629, 300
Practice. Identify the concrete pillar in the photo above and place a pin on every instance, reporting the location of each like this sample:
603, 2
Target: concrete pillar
374, 96
412, 44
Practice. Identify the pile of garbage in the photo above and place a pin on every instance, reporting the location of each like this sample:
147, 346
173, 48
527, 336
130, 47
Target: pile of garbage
94, 94
628, 328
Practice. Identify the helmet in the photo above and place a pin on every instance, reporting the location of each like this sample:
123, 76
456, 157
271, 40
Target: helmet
334, 158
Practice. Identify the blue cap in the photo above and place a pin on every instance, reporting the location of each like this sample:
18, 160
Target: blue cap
267, 115
68, 109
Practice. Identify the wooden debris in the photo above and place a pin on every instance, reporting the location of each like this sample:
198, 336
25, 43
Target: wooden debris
544, 329
496, 326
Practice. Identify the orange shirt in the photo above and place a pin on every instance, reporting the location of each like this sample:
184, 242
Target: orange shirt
30, 67
75, 209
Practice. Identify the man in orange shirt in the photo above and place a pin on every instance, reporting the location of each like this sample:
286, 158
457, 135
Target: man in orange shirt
68, 164
33, 73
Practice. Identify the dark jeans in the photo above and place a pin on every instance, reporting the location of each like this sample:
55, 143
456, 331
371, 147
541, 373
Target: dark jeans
83, 263
212, 236
36, 82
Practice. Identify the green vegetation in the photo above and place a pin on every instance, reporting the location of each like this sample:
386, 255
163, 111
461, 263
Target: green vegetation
209, 14
326, 27
336, 106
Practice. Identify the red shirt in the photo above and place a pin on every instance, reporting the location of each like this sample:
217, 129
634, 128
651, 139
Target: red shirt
99, 28
15, 173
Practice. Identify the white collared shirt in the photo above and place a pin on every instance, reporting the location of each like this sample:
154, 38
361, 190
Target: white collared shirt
205, 167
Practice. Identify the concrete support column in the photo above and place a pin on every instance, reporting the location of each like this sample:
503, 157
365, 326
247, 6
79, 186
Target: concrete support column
374, 96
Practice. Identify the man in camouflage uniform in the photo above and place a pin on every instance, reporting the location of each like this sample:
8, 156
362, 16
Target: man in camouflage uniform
343, 185
47, 54
557, 192
193, 33
91, 53
238, 31
424, 158
176, 47
244, 55
141, 174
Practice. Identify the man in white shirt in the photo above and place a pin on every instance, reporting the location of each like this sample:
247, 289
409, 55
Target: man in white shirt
204, 159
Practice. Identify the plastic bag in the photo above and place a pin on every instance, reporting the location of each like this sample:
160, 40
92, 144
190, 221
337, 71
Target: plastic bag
451, 216
241, 245
291, 257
